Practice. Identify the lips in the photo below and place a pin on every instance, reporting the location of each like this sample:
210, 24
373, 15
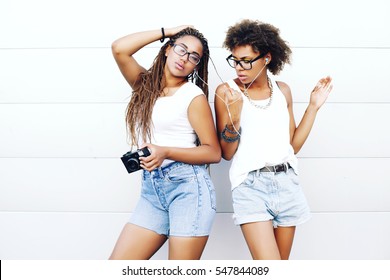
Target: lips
242, 77
179, 66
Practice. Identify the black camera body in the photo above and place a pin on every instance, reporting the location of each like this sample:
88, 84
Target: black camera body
131, 159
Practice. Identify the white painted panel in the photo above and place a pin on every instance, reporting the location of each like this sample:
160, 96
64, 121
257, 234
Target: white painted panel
88, 23
64, 75
348, 130
59, 75
91, 75
346, 184
98, 130
58, 235
79, 236
67, 184
348, 68
344, 236
63, 130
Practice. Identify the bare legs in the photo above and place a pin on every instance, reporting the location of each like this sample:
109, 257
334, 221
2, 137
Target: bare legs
137, 243
186, 248
267, 243
264, 242
284, 238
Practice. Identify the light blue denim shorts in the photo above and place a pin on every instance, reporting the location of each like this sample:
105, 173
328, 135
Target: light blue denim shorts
176, 200
265, 196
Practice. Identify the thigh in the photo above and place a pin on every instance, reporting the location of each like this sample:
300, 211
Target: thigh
260, 239
284, 238
186, 248
137, 243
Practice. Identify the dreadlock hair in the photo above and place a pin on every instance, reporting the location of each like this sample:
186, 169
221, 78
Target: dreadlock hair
263, 38
151, 83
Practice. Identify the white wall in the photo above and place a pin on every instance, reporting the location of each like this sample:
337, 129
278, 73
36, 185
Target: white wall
64, 193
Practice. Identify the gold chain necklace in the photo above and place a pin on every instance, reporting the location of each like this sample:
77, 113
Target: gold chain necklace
257, 105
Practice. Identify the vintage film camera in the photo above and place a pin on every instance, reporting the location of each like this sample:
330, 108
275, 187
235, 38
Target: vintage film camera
131, 159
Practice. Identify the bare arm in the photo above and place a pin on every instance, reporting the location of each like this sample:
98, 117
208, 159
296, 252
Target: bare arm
227, 101
124, 48
299, 135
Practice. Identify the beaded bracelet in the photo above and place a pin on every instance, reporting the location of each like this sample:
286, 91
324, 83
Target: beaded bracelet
232, 131
229, 139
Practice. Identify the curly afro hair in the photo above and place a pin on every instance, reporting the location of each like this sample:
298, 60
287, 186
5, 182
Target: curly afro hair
264, 38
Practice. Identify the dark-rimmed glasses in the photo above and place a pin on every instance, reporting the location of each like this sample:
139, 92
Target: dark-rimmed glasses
192, 57
244, 63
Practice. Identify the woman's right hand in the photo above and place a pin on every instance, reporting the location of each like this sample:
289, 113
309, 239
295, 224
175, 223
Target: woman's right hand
156, 158
233, 101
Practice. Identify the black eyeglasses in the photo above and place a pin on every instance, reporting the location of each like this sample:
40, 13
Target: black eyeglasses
180, 50
244, 63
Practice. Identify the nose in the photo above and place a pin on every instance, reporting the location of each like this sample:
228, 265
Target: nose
185, 57
239, 64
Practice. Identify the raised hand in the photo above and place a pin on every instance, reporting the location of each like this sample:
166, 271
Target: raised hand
174, 30
321, 92
233, 101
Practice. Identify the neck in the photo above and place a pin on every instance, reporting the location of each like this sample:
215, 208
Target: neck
171, 87
172, 81
259, 83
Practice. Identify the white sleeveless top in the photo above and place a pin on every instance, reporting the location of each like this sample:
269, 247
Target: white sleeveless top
265, 136
170, 124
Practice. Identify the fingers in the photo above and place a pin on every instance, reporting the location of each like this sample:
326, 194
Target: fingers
326, 81
232, 96
169, 32
150, 165
324, 84
151, 162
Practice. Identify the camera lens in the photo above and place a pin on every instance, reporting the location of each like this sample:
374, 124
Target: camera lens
133, 164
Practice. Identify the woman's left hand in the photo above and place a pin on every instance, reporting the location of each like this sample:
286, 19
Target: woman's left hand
321, 92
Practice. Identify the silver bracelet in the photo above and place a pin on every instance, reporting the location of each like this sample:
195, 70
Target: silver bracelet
229, 139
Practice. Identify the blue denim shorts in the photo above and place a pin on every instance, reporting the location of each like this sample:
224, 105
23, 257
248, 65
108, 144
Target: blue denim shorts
265, 196
176, 200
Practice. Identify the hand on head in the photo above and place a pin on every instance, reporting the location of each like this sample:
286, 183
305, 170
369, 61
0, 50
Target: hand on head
174, 30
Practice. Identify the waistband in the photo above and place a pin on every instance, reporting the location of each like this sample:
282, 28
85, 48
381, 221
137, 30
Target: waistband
161, 171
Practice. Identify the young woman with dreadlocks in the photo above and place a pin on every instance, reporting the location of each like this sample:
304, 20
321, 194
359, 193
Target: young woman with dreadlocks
169, 113
255, 121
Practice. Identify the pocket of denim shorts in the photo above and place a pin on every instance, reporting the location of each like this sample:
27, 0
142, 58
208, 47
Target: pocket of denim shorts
212, 194
249, 180
294, 177
182, 173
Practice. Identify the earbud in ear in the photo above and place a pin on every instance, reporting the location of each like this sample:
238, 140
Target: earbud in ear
266, 60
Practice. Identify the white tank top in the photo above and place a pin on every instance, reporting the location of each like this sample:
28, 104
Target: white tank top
170, 124
265, 136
